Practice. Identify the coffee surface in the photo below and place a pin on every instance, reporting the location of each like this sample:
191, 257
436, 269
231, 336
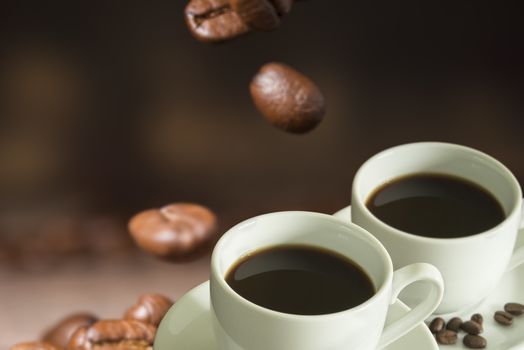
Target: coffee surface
300, 280
437, 206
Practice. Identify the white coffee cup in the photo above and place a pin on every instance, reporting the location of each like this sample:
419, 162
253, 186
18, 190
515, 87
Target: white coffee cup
471, 266
242, 325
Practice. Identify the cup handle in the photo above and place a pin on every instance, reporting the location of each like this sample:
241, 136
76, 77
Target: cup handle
403, 278
518, 256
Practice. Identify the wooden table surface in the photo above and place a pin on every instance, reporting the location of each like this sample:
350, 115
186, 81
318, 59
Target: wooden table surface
32, 302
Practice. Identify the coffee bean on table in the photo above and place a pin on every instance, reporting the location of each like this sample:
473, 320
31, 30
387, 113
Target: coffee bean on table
478, 318
257, 14
446, 337
175, 231
454, 324
471, 327
150, 308
515, 309
38, 345
288, 99
213, 20
504, 318
475, 341
114, 334
437, 325
61, 333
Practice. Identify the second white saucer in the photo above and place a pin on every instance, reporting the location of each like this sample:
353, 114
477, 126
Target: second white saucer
510, 289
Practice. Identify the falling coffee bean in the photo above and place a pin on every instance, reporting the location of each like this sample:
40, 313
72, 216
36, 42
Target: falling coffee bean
475, 341
114, 334
454, 324
38, 345
446, 337
504, 318
471, 327
175, 231
150, 308
478, 318
515, 309
288, 99
437, 325
257, 14
213, 20
61, 333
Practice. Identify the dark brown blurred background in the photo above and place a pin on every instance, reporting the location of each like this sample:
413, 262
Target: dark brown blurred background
110, 107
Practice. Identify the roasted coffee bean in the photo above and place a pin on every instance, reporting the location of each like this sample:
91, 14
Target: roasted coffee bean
213, 20
175, 231
150, 308
257, 14
515, 309
475, 341
37, 345
437, 325
504, 318
478, 318
446, 337
454, 324
114, 334
61, 333
79, 340
471, 327
288, 99
283, 7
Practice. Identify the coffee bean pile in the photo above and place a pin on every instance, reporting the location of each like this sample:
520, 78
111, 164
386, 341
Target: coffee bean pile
176, 232
84, 331
285, 97
447, 333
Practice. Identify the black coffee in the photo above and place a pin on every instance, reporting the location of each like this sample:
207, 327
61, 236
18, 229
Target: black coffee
300, 280
438, 206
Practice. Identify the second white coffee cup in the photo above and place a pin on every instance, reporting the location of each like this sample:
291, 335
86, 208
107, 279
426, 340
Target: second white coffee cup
471, 266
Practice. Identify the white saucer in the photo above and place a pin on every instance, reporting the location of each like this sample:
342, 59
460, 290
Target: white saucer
510, 289
187, 326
